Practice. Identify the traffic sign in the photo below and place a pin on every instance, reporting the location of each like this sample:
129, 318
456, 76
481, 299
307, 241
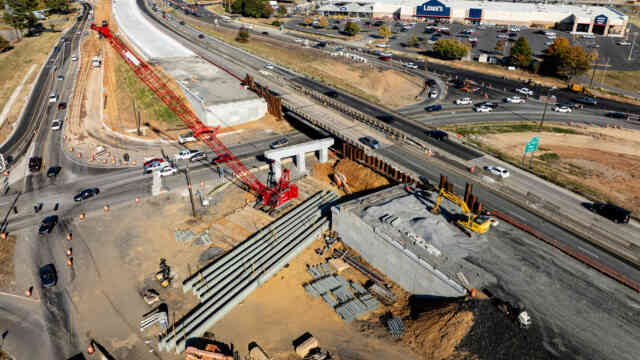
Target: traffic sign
532, 145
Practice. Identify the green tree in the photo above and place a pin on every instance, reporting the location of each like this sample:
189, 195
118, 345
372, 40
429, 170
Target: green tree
323, 21
253, 8
21, 15
282, 11
57, 6
243, 35
267, 12
351, 28
4, 44
450, 49
413, 41
237, 6
565, 60
384, 32
521, 53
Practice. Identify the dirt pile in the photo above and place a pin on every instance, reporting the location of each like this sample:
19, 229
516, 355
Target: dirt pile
435, 332
359, 178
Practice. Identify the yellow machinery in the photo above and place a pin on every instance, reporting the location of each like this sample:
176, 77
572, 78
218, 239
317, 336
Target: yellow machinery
467, 219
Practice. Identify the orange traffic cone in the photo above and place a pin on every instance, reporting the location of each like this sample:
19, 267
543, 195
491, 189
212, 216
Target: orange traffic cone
90, 348
137, 199
3, 236
28, 292
70, 262
69, 252
106, 208
69, 236
81, 216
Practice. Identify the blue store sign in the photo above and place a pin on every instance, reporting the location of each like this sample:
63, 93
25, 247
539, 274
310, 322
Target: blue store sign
475, 13
600, 20
433, 8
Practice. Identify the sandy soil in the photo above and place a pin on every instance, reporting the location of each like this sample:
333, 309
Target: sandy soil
7, 273
605, 160
359, 178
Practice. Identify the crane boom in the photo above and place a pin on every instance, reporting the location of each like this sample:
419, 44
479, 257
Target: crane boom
272, 197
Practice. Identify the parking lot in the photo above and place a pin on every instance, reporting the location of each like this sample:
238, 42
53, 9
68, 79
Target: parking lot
610, 53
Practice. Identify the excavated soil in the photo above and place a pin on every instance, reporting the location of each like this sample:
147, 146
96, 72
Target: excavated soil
359, 178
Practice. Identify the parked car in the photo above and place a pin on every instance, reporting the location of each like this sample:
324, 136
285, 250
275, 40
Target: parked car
48, 276
56, 124
482, 109
35, 163
169, 170
464, 101
86, 194
433, 108
525, 91
62, 106
279, 143
438, 134
200, 155
223, 158
48, 224
503, 36
612, 212
186, 137
562, 109
514, 100
616, 115
184, 154
587, 100
53, 171
370, 141
497, 171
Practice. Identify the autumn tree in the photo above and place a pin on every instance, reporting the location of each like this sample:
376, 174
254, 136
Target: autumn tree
450, 49
282, 11
323, 21
243, 35
268, 11
521, 53
565, 60
351, 28
384, 32
413, 41
500, 46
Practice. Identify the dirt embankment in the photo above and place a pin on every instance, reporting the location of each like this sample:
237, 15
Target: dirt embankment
599, 162
359, 178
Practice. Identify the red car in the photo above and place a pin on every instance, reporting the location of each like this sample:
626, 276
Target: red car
148, 162
221, 159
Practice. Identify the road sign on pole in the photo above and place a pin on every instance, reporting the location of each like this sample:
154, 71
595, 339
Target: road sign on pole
532, 145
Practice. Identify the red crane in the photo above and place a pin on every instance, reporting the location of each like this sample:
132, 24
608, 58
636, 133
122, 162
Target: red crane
272, 197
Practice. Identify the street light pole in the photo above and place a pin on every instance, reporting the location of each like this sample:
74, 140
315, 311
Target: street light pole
632, 44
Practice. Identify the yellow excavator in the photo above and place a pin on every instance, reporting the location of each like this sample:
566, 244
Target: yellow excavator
467, 219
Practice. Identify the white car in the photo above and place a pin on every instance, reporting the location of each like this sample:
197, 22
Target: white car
549, 34
53, 98
56, 124
184, 154
482, 109
187, 137
464, 101
624, 43
549, 43
269, 66
588, 36
411, 65
386, 54
562, 109
497, 171
433, 94
514, 29
166, 171
525, 91
384, 46
74, 58
473, 39
515, 100
503, 36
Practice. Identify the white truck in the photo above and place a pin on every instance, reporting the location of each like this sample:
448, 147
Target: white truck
186, 137
96, 62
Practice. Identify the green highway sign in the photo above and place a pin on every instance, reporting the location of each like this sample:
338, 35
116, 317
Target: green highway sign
532, 145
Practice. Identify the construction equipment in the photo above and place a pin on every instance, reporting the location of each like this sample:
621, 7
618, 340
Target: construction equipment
164, 275
341, 182
210, 352
578, 88
467, 219
467, 86
271, 197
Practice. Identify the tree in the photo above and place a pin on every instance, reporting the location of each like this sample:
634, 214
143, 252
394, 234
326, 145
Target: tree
243, 35
500, 46
4, 44
267, 12
413, 41
57, 6
565, 60
282, 11
521, 53
308, 20
323, 21
237, 7
384, 32
450, 49
21, 15
253, 8
351, 28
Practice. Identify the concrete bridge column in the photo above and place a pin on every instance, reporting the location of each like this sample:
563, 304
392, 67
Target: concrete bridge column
324, 155
300, 163
276, 167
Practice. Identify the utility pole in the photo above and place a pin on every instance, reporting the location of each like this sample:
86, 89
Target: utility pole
186, 173
632, 44
544, 112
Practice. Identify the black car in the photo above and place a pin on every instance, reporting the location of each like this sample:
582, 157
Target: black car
48, 276
62, 106
200, 36
332, 94
35, 163
487, 104
431, 82
200, 155
612, 212
86, 193
438, 134
53, 171
265, 33
587, 100
48, 224
433, 108
616, 115
181, 22
371, 142
279, 143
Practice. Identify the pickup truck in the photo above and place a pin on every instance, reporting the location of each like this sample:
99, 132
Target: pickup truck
186, 137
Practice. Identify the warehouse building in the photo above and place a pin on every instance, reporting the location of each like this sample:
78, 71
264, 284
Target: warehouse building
579, 19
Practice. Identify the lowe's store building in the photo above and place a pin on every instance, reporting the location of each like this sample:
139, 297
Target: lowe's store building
598, 20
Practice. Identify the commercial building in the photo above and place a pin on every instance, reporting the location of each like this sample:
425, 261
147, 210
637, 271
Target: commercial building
599, 20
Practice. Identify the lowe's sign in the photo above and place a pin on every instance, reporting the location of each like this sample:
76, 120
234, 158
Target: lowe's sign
600, 20
433, 8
